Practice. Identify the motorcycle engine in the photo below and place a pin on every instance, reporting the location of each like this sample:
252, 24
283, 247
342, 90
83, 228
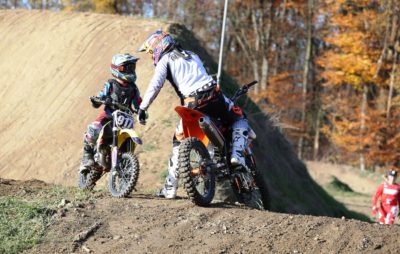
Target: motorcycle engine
102, 157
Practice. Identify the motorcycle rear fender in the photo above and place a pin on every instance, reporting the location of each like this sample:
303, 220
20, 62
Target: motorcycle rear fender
190, 124
125, 134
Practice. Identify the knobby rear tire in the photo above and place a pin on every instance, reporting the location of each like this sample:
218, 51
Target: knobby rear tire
185, 170
259, 197
252, 199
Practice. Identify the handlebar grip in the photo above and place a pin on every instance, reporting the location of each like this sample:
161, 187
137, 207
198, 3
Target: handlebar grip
120, 106
94, 99
252, 83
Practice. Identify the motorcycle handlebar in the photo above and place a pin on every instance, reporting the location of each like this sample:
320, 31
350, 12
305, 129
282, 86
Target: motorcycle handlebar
251, 83
113, 104
243, 90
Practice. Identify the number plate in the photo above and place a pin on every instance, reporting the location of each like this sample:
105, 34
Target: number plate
123, 120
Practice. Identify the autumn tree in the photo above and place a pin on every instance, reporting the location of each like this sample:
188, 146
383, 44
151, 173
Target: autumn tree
351, 84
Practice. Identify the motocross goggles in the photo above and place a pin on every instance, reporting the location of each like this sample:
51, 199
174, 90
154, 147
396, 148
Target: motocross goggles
127, 68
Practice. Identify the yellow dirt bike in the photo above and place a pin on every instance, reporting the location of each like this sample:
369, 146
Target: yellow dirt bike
114, 153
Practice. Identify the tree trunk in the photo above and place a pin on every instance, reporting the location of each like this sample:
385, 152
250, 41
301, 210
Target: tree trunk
257, 47
362, 126
266, 45
173, 9
155, 8
385, 42
317, 134
257, 35
264, 73
256, 76
307, 61
283, 11
277, 52
391, 85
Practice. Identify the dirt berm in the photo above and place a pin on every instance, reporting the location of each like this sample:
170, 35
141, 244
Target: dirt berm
51, 62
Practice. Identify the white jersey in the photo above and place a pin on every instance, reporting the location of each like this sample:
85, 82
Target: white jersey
188, 75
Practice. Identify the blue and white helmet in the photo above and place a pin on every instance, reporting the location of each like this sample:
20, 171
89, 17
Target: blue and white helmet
123, 67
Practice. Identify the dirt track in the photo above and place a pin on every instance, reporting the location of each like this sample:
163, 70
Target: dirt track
144, 224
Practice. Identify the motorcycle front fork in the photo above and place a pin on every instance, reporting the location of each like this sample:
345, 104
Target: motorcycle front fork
114, 150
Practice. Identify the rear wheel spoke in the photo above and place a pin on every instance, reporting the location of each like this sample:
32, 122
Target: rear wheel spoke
193, 154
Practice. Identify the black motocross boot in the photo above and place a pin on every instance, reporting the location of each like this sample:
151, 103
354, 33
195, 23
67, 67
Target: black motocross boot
87, 159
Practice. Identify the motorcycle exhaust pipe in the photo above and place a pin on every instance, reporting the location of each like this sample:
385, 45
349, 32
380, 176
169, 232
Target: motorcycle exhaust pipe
211, 132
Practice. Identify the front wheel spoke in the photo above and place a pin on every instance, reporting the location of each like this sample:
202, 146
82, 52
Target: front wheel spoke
126, 178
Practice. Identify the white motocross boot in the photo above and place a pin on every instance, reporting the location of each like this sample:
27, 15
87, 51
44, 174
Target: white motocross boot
171, 181
239, 141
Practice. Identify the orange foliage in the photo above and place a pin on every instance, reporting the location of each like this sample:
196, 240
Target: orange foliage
349, 65
283, 98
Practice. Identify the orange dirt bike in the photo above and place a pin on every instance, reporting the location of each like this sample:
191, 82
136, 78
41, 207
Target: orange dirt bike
204, 157
114, 153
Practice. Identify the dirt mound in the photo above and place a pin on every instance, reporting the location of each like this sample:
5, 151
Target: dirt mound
144, 224
49, 69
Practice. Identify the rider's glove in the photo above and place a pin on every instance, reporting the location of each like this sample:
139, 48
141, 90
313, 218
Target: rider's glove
95, 104
142, 116
108, 101
374, 210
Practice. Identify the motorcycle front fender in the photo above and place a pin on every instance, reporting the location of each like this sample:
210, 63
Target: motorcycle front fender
125, 134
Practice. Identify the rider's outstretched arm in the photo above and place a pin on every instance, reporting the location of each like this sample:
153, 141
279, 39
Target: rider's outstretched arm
156, 83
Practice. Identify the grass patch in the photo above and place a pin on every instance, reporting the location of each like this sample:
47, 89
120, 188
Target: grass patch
22, 224
339, 186
57, 193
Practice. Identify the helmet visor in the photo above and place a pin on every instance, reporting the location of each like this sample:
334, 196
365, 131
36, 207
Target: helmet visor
129, 68
126, 69
145, 48
142, 48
